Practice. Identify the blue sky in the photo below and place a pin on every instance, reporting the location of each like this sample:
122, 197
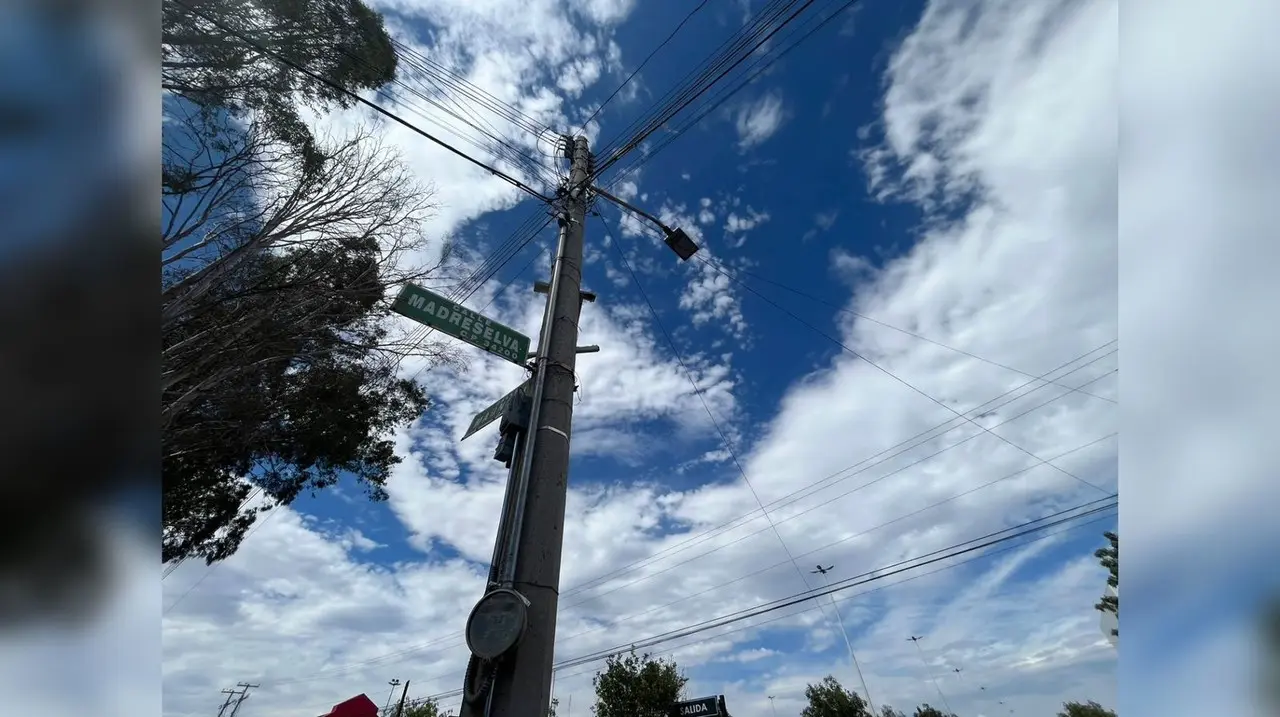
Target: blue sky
861, 171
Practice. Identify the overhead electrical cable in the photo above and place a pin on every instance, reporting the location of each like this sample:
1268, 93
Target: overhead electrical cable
828, 502
641, 66
372, 105
698, 391
690, 82
492, 142
1068, 516
895, 377
951, 566
878, 322
703, 85
863, 533
861, 466
759, 67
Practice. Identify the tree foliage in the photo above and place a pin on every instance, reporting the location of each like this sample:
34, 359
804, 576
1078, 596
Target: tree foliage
889, 711
637, 686
1085, 709
925, 710
343, 41
1109, 556
422, 708
830, 699
278, 363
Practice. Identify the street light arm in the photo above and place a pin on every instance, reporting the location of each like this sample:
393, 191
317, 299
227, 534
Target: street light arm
634, 209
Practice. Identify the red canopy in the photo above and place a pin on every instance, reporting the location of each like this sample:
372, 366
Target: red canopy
358, 706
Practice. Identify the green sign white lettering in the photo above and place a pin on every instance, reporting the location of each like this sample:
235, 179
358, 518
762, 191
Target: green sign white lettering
495, 410
433, 310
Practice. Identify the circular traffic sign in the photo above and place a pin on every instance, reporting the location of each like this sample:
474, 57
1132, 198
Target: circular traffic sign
496, 623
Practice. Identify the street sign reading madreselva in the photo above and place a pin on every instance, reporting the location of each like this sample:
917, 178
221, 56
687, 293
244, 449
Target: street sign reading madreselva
429, 308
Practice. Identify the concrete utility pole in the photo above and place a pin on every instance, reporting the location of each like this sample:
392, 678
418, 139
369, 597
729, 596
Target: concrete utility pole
519, 682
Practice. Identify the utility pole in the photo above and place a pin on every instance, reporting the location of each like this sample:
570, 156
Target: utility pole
386, 709
929, 671
229, 693
773, 710
400, 707
821, 572
511, 631
518, 683
240, 692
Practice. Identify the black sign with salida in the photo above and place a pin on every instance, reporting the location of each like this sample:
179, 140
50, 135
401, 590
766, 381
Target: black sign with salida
702, 707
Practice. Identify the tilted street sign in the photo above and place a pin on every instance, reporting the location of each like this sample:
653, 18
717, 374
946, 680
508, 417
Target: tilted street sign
431, 309
702, 707
495, 410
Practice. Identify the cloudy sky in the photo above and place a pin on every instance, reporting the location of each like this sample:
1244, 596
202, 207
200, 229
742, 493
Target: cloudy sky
913, 342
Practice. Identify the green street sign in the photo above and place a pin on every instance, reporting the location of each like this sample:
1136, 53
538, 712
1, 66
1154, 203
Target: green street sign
435, 311
495, 410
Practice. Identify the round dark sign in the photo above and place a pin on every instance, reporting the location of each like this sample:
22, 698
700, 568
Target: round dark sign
496, 623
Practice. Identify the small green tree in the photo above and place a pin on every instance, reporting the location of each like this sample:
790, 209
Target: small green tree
889, 711
1110, 558
829, 699
1085, 709
926, 710
637, 686
425, 708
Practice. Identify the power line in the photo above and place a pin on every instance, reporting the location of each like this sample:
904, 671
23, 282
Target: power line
830, 545
896, 568
694, 91
640, 67
854, 596
374, 106
865, 464
485, 98
895, 377
761, 65
825, 503
689, 84
887, 325
209, 571
1004, 535
816, 486
613, 241
421, 646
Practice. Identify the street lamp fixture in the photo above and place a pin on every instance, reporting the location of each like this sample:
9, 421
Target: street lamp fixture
677, 239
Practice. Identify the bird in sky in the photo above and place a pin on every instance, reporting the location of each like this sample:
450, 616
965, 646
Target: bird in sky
821, 570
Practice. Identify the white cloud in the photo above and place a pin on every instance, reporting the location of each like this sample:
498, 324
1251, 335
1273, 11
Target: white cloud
757, 121
709, 295
705, 214
736, 224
